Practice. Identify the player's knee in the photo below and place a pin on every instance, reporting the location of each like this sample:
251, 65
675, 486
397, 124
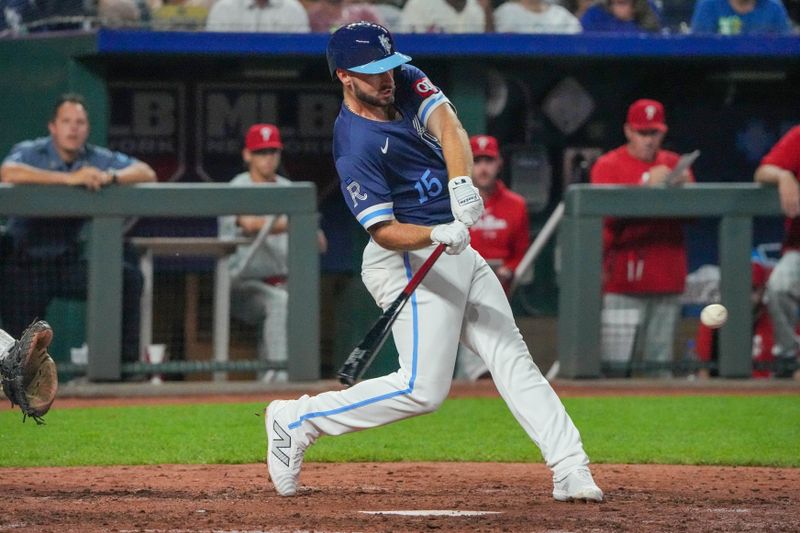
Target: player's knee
427, 405
428, 401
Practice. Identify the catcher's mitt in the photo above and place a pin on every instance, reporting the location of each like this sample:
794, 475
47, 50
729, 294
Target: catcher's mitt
29, 373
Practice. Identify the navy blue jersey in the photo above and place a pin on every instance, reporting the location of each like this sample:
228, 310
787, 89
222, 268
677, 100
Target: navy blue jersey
394, 170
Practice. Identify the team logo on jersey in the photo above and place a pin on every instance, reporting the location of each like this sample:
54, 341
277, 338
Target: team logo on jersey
426, 136
354, 188
424, 88
384, 40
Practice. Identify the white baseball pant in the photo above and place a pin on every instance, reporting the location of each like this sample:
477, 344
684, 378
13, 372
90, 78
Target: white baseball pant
782, 296
460, 298
658, 322
258, 303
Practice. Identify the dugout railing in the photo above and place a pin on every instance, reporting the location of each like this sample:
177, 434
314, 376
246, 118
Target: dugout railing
107, 210
580, 299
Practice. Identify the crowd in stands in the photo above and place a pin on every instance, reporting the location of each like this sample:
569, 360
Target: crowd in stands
724, 17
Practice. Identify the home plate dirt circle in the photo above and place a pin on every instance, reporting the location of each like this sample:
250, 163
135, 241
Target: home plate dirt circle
434, 512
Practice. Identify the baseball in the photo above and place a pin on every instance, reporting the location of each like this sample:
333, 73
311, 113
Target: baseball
714, 316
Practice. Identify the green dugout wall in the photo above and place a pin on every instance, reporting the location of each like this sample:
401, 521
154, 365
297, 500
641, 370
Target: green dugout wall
730, 97
580, 297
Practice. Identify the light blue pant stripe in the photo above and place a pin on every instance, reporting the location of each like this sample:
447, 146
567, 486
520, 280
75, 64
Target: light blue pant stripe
369, 401
414, 318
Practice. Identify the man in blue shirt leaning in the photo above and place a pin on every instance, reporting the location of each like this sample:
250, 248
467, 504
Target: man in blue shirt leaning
46, 259
740, 17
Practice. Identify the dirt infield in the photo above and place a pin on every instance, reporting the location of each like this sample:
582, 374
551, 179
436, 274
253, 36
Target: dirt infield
335, 498
345, 497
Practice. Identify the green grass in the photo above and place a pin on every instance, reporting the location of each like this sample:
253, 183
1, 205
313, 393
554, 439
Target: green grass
719, 430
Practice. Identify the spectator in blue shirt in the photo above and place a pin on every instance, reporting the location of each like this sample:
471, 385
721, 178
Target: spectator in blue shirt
46, 260
621, 16
735, 17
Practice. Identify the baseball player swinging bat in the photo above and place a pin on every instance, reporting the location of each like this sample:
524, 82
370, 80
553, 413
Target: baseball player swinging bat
362, 356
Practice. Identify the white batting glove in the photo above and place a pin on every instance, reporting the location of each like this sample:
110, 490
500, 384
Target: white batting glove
465, 200
455, 235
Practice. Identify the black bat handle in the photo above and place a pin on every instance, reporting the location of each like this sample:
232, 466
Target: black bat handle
362, 356
350, 369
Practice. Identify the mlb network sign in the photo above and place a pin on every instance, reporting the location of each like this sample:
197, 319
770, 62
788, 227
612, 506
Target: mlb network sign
304, 114
157, 123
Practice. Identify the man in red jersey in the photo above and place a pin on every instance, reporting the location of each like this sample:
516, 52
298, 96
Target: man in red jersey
644, 259
500, 236
781, 167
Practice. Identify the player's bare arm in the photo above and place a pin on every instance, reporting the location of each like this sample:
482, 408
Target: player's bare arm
465, 199
399, 236
788, 187
445, 126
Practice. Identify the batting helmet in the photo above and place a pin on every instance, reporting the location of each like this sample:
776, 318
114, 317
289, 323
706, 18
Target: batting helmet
363, 47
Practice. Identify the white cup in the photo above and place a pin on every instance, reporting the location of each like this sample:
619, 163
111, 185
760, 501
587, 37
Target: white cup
79, 356
156, 353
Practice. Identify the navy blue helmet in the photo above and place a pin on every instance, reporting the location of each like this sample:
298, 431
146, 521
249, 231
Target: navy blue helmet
363, 47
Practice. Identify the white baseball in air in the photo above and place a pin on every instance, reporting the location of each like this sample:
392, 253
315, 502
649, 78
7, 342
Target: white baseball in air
714, 316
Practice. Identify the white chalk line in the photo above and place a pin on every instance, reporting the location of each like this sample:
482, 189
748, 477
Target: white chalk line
433, 512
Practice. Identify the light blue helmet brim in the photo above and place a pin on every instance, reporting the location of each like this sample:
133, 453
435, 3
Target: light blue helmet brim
382, 65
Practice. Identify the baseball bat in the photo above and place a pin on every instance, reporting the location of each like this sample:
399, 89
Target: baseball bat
362, 356
536, 246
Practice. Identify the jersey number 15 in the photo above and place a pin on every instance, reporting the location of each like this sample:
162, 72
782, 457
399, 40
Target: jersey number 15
428, 187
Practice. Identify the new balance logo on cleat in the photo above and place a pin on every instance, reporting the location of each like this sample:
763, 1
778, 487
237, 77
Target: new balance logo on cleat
284, 451
280, 442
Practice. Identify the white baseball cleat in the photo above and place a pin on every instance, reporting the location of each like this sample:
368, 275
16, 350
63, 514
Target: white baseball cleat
577, 485
284, 451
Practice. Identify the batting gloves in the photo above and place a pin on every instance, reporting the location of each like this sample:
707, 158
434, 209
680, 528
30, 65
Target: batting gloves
465, 200
455, 235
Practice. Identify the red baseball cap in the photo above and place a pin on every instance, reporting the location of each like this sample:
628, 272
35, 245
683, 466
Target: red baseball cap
647, 114
484, 146
263, 136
